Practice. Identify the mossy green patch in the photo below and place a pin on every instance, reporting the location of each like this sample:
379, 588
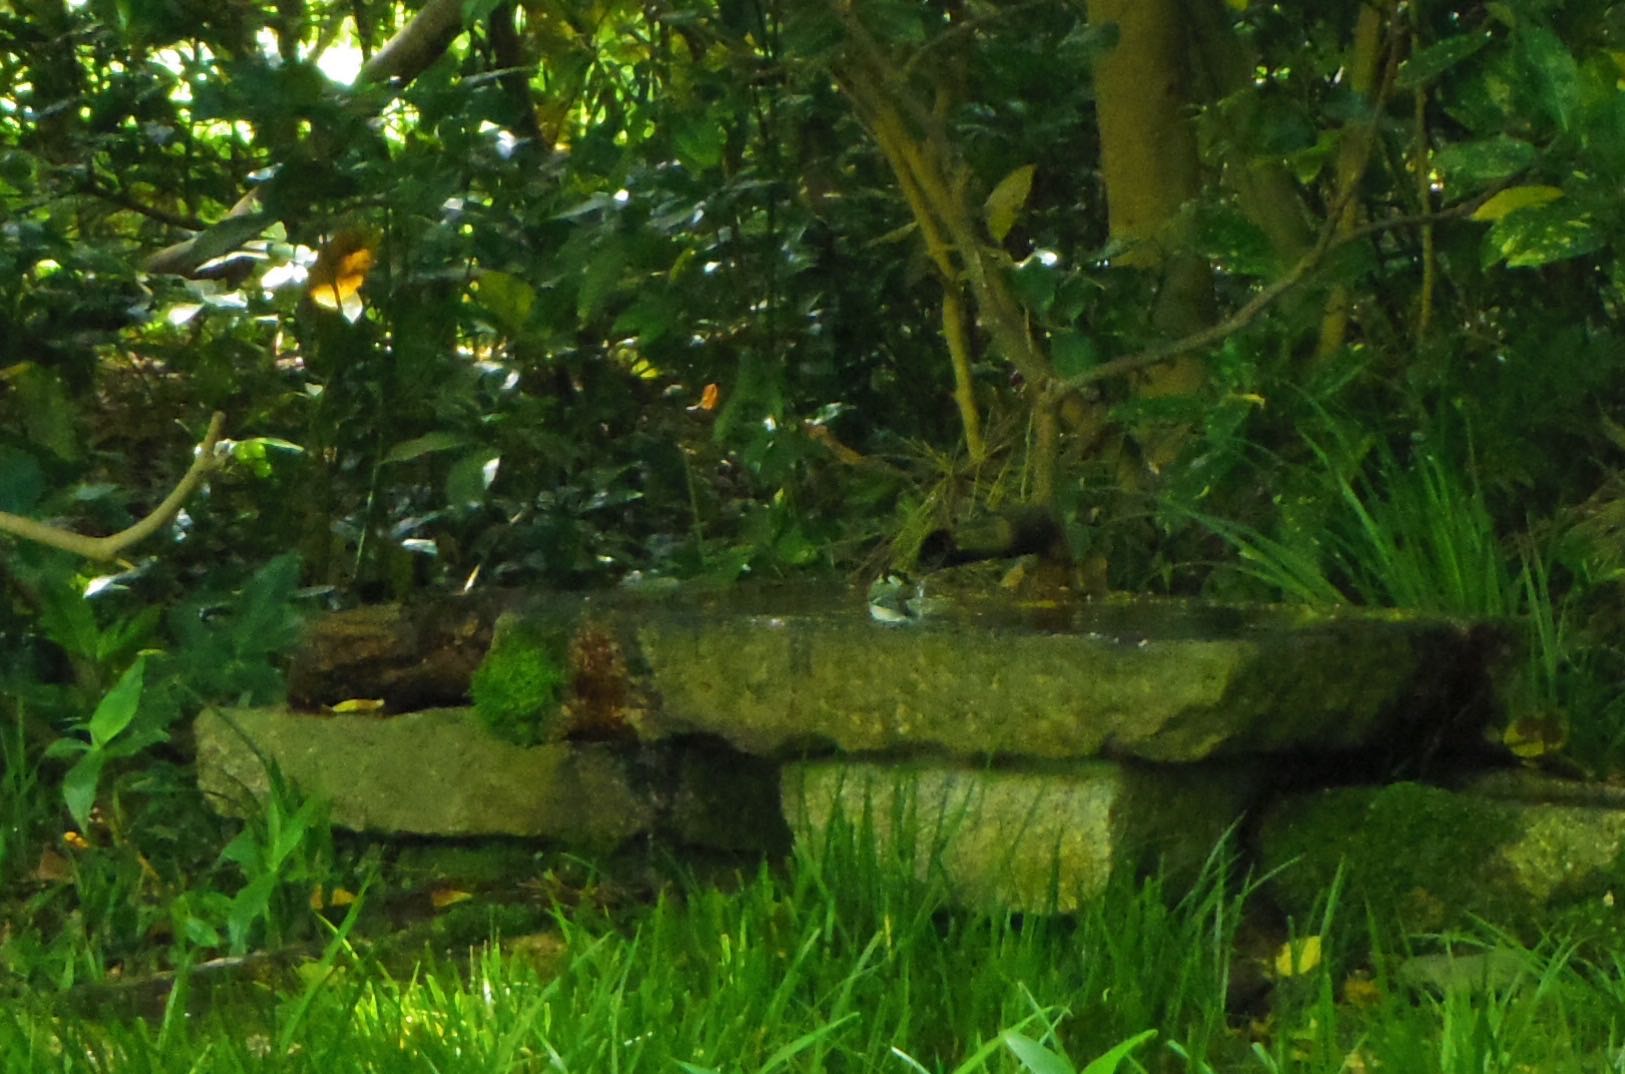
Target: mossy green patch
1420, 857
518, 687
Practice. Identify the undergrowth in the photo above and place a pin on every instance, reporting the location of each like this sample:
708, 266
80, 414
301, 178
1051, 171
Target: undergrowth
845, 963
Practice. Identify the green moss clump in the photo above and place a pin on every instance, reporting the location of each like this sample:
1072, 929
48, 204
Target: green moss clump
518, 686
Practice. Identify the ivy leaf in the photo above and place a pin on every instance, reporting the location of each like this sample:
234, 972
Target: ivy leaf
1004, 203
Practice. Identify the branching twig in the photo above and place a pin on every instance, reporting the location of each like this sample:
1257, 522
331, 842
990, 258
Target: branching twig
105, 548
1329, 240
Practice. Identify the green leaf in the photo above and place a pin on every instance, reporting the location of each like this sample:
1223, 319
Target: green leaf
427, 444
45, 411
598, 279
476, 12
1004, 203
79, 786
22, 482
1543, 234
1514, 198
119, 706
1034, 284
1109, 1061
470, 476
1073, 352
699, 142
1438, 58
509, 298
1556, 73
651, 317
1034, 1056
256, 452
1486, 160
249, 905
264, 621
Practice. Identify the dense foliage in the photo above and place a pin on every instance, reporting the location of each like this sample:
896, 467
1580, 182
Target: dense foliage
572, 292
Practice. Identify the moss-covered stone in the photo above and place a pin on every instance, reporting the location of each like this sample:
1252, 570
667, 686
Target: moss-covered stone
518, 687
1424, 858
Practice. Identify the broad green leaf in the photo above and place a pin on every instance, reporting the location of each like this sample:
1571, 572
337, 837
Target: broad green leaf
79, 786
598, 279
264, 620
1439, 57
470, 476
22, 482
1034, 1056
1034, 284
1073, 352
45, 413
509, 298
248, 906
118, 707
699, 143
256, 452
1543, 234
1514, 198
1556, 73
291, 835
427, 444
651, 317
1004, 203
1486, 160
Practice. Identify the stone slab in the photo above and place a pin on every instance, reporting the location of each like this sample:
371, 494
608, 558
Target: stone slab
434, 772
1161, 681
1029, 840
1431, 859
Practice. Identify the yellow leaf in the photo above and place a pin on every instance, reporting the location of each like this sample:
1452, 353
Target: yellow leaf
1514, 198
341, 268
322, 899
440, 898
1297, 957
1004, 204
1362, 992
1536, 734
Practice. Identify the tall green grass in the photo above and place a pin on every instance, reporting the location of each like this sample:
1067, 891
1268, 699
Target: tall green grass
845, 963
1412, 533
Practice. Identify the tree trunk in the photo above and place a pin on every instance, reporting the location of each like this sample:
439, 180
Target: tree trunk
1151, 169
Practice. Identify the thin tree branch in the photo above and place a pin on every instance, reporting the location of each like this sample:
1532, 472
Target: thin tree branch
1329, 240
106, 548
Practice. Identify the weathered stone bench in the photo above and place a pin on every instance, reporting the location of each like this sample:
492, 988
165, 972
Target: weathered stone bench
1031, 750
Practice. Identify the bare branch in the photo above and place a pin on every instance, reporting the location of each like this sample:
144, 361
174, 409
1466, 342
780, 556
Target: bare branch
1329, 240
106, 548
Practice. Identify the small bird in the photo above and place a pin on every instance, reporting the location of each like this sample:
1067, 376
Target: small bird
1019, 531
